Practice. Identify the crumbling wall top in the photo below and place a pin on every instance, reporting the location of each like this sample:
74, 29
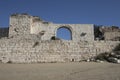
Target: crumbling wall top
110, 29
21, 15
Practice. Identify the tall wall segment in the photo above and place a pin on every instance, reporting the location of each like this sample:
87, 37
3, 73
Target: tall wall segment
22, 24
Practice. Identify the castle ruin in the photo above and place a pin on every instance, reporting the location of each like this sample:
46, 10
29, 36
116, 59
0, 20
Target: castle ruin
29, 39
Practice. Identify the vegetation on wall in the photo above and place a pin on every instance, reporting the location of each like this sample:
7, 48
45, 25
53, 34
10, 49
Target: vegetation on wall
97, 33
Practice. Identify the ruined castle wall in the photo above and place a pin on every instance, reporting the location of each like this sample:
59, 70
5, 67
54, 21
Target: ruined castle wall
30, 51
24, 25
76, 29
20, 25
112, 35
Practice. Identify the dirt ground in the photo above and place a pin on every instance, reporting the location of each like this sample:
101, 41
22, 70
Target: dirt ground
60, 71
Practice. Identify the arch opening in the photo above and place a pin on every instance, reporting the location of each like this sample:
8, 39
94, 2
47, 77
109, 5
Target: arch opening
64, 33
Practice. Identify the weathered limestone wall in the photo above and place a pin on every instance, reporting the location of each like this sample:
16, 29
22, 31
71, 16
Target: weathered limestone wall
23, 24
20, 25
76, 29
112, 35
29, 42
32, 51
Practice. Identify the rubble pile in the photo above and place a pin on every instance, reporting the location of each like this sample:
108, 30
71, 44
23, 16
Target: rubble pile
113, 56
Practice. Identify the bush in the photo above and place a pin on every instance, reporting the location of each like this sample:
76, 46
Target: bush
102, 56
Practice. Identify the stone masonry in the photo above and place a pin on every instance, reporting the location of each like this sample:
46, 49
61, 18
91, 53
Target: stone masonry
111, 33
25, 24
29, 41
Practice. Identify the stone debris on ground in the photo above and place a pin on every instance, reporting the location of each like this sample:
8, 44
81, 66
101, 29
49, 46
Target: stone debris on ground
113, 57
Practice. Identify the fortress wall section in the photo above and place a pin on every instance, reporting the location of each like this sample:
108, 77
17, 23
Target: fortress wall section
77, 30
115, 35
20, 25
30, 51
24, 25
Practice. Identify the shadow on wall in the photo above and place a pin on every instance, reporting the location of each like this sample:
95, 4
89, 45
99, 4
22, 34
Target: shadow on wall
4, 32
98, 35
55, 38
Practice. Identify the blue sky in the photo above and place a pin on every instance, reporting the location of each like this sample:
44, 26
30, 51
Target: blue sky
64, 33
100, 12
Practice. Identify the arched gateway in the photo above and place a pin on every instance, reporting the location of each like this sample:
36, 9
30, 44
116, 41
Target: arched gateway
64, 33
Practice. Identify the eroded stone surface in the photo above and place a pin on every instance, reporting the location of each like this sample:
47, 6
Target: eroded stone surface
30, 41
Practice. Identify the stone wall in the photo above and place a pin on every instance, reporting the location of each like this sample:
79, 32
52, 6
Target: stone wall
24, 24
30, 41
113, 35
20, 25
32, 51
76, 30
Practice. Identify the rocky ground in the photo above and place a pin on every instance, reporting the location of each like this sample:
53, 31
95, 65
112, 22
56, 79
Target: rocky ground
60, 71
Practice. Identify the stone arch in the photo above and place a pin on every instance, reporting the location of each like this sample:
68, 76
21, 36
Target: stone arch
68, 33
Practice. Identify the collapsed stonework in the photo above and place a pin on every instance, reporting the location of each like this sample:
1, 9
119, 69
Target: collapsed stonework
26, 24
32, 40
111, 33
